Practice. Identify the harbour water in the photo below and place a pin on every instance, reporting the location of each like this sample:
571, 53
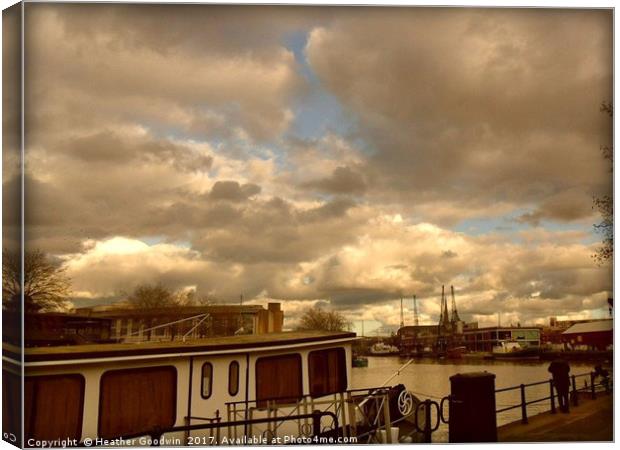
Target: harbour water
430, 378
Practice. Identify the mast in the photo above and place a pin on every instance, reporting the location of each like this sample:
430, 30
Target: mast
402, 316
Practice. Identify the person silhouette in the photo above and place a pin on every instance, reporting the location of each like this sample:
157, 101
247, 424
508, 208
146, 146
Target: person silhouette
560, 370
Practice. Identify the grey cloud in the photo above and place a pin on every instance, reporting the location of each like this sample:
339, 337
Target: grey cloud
343, 180
334, 209
233, 191
565, 206
502, 105
274, 231
449, 254
135, 76
110, 148
461, 112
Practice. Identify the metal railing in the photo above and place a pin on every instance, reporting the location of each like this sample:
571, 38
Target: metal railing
605, 384
371, 405
313, 430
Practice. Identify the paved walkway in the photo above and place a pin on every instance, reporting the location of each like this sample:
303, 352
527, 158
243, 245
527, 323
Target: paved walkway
592, 420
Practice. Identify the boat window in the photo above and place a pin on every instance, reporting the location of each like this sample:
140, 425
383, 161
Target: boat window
137, 400
53, 407
278, 378
328, 371
233, 378
207, 380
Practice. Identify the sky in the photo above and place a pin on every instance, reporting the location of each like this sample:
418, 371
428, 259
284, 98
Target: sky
340, 157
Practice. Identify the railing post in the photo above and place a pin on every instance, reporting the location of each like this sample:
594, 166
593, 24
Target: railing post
575, 394
593, 385
427, 421
523, 405
606, 384
316, 422
386, 418
351, 408
156, 436
552, 397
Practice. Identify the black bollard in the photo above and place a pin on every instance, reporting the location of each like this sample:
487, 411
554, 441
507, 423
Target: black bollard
472, 408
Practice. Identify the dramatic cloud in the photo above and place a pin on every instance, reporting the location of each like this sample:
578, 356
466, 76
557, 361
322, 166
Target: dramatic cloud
343, 157
477, 106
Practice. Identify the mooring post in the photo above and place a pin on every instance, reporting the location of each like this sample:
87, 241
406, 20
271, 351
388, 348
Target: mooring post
472, 408
593, 384
552, 397
575, 394
523, 405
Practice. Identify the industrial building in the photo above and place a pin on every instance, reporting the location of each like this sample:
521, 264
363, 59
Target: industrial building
484, 339
187, 322
598, 335
47, 329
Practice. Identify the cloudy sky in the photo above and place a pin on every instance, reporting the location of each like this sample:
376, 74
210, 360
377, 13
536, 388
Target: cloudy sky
347, 156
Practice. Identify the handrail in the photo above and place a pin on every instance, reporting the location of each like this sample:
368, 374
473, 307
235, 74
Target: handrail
535, 383
296, 399
605, 382
157, 432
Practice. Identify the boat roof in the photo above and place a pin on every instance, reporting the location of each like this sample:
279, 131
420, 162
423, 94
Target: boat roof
207, 345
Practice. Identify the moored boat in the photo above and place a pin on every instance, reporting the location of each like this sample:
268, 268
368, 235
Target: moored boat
383, 349
512, 349
238, 389
456, 352
360, 361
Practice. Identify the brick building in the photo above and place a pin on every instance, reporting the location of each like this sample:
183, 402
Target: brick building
597, 335
189, 322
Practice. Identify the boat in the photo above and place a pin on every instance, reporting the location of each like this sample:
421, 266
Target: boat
513, 349
360, 361
245, 389
456, 352
382, 349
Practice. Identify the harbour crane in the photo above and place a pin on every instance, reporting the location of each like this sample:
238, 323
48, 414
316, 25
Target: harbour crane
455, 315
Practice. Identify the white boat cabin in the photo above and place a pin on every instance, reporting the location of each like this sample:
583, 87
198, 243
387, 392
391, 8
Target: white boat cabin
108, 391
507, 347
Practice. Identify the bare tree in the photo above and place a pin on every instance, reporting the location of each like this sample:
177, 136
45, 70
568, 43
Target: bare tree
146, 296
46, 286
318, 319
605, 205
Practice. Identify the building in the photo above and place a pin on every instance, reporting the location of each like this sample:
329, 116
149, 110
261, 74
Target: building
419, 338
188, 322
598, 335
484, 339
552, 335
416, 338
50, 329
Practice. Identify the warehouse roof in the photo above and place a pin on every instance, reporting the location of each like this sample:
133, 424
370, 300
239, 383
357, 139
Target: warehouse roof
591, 327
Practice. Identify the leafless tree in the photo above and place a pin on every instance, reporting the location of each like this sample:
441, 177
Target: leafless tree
605, 205
319, 319
46, 286
146, 296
